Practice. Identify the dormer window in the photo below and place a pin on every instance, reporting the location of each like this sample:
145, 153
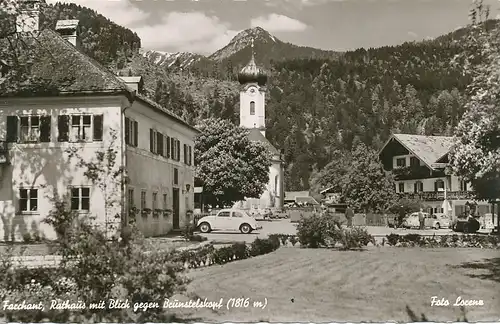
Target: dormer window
401, 162
252, 107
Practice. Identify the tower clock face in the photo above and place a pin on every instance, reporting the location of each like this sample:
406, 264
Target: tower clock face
252, 91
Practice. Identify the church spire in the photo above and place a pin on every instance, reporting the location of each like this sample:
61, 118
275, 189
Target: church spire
251, 72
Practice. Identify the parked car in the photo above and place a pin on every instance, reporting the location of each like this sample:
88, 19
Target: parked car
228, 219
412, 220
466, 224
486, 221
438, 221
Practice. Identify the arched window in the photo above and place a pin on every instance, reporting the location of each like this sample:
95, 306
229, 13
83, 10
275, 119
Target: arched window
252, 107
276, 189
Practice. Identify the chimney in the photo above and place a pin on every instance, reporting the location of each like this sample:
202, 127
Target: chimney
133, 82
28, 19
69, 30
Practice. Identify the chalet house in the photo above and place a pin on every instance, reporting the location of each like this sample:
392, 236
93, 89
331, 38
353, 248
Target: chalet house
418, 163
69, 101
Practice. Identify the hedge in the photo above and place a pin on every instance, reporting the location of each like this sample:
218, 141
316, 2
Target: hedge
454, 240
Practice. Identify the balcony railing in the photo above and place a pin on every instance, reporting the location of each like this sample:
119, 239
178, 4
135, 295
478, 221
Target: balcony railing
439, 195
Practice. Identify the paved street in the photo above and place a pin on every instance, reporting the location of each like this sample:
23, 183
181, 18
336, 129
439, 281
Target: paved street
286, 227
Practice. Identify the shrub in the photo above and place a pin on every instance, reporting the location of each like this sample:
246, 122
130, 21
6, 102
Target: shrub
263, 246
188, 232
393, 239
311, 231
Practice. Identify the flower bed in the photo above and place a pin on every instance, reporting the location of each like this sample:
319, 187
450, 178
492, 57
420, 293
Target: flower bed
207, 254
454, 240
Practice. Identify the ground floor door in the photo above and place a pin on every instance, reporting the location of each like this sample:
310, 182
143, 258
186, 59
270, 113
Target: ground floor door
175, 208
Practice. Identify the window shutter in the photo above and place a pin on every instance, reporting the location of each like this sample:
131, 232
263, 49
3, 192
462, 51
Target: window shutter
45, 123
178, 150
436, 186
136, 134
159, 143
172, 148
98, 127
151, 140
63, 128
190, 155
184, 149
127, 130
415, 187
168, 147
12, 129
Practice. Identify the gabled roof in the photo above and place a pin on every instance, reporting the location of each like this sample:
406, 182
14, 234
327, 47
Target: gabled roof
429, 149
255, 135
292, 195
57, 67
306, 200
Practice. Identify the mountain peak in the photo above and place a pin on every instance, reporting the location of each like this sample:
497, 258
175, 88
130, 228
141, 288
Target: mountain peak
244, 39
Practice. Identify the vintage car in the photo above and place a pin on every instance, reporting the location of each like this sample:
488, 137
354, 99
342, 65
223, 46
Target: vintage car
466, 224
412, 220
228, 220
438, 221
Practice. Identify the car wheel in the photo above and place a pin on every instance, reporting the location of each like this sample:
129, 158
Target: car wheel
205, 228
437, 226
245, 228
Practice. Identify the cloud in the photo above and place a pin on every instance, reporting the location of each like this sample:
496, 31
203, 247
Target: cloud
187, 31
276, 23
412, 34
122, 12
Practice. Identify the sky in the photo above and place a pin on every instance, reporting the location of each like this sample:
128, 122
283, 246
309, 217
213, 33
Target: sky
204, 26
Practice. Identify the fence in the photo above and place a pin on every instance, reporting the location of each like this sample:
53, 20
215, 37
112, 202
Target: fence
369, 219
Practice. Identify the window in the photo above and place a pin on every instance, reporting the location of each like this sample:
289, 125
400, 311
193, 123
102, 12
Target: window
143, 199
152, 140
130, 198
464, 185
165, 201
28, 200
401, 187
190, 161
167, 146
159, 144
131, 132
237, 214
28, 129
175, 146
401, 162
176, 176
252, 107
224, 214
414, 161
418, 186
439, 185
155, 200
186, 152
80, 128
80, 198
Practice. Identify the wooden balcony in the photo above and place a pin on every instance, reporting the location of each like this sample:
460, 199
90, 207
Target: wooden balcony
438, 195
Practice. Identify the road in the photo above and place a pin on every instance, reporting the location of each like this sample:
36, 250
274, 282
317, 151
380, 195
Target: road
284, 226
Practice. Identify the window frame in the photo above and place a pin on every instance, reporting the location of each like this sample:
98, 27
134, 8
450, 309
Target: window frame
144, 197
252, 108
28, 200
401, 184
401, 159
80, 208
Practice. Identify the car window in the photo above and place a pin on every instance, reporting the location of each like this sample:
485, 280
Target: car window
237, 214
224, 214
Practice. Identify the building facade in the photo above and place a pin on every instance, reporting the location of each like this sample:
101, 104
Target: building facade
418, 164
253, 117
44, 138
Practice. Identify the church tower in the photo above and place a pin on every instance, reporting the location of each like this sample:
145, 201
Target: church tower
252, 96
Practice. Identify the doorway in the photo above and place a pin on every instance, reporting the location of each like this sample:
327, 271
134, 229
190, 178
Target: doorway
175, 208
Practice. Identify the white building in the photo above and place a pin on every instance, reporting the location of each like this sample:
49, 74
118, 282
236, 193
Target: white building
81, 105
253, 117
418, 163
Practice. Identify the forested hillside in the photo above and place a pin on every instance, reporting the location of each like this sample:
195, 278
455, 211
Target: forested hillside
105, 41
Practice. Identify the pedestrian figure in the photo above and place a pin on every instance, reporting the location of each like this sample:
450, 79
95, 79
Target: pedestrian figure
421, 219
349, 214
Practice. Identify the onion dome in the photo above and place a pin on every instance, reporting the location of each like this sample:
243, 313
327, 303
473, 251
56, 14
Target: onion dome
251, 73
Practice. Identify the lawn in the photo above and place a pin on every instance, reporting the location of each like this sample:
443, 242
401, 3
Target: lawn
373, 285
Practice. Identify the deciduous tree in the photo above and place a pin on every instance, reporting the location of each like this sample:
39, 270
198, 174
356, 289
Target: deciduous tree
230, 166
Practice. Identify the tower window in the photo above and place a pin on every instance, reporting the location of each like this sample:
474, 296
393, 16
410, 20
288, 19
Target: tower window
252, 107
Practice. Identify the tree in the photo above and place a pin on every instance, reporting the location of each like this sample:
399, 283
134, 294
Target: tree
366, 186
230, 166
476, 152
